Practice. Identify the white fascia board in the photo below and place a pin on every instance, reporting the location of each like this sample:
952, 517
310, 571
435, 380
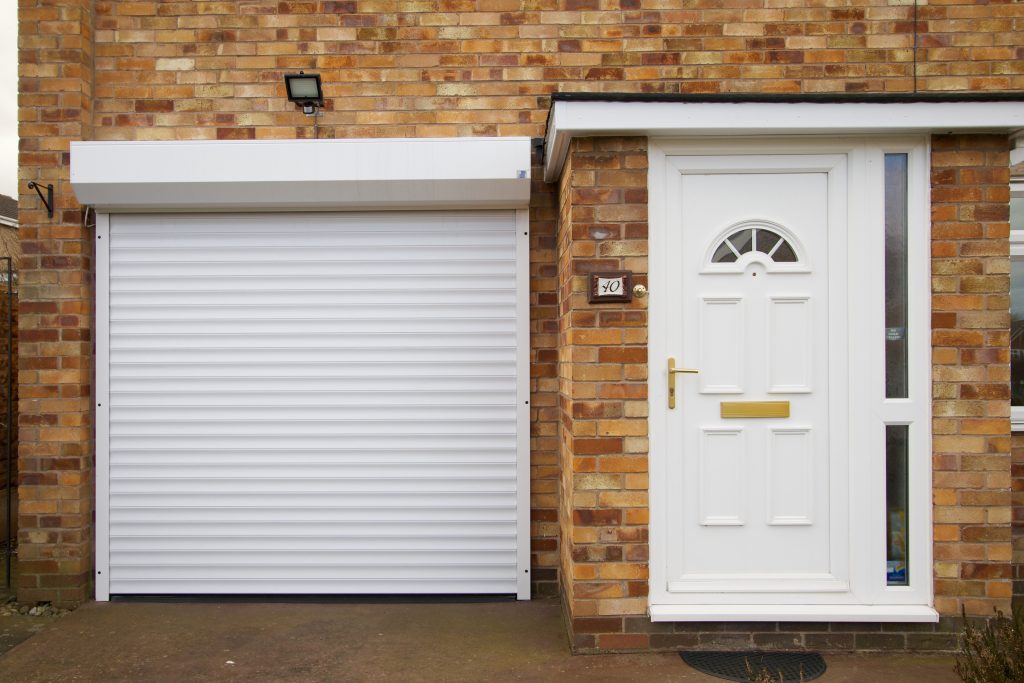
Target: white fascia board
671, 119
311, 175
847, 613
9, 222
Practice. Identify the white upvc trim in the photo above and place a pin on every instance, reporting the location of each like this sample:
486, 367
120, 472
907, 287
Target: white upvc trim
854, 613
102, 398
523, 577
9, 222
302, 175
659, 119
1017, 249
1017, 148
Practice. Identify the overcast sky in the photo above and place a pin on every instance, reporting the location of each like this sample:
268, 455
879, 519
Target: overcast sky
9, 98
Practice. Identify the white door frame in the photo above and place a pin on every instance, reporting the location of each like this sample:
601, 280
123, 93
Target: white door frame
869, 410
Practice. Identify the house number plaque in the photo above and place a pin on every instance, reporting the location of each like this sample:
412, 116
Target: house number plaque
611, 286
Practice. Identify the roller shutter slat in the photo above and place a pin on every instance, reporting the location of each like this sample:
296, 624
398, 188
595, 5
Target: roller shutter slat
450, 510
292, 585
301, 284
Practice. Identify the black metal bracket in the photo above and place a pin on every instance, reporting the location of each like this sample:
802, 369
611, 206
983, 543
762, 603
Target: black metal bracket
47, 200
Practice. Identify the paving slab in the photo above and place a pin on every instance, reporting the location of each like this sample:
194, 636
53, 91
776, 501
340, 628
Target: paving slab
17, 628
360, 641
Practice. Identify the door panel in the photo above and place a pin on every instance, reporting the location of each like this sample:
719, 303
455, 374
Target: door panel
721, 482
789, 343
722, 345
790, 480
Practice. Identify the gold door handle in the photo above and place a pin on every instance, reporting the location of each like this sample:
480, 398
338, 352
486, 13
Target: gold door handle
672, 372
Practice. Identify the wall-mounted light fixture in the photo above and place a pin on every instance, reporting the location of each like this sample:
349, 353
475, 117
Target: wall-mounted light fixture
305, 91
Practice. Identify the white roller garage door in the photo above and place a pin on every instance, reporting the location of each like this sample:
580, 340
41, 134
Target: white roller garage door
313, 403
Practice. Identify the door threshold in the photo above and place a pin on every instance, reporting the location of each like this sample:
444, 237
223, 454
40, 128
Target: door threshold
853, 613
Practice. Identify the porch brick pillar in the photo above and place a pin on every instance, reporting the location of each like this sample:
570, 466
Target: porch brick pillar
603, 394
971, 381
55, 286
544, 418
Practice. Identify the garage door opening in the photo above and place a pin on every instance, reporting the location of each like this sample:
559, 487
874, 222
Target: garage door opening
315, 403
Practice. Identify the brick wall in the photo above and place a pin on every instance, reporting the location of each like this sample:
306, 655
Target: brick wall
544, 468
1017, 451
411, 68
970, 338
55, 286
603, 393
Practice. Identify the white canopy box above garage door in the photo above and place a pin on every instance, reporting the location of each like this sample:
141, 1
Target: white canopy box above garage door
322, 401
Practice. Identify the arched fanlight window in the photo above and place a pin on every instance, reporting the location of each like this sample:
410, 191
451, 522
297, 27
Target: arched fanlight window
760, 240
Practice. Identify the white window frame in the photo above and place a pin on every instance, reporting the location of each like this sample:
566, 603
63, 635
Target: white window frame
1016, 250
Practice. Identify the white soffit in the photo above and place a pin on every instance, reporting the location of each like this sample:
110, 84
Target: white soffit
1017, 149
571, 119
256, 175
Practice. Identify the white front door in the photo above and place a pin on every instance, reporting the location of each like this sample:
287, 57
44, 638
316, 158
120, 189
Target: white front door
754, 305
768, 465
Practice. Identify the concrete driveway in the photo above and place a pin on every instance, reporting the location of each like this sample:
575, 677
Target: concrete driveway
278, 641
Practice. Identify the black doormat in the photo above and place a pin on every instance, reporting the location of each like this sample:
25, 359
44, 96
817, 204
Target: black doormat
751, 666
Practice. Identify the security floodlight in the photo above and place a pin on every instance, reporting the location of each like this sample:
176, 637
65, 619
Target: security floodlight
305, 91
